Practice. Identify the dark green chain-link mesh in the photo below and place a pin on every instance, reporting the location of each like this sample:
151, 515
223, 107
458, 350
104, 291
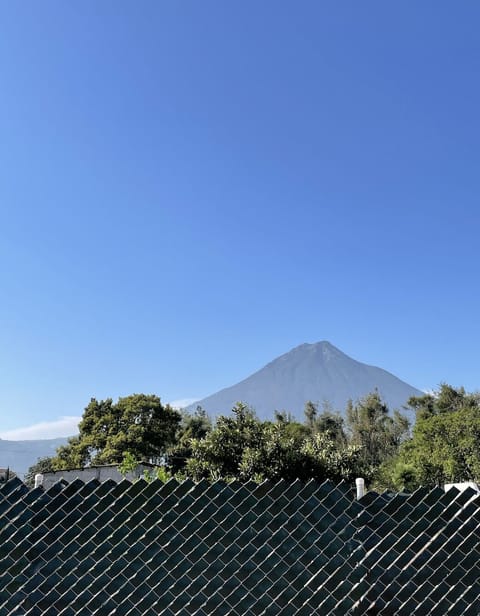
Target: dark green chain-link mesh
213, 549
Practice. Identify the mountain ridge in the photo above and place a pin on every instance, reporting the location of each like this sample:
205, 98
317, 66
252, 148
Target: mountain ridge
20, 455
310, 371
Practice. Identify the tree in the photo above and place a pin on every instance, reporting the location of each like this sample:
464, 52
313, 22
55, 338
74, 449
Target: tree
139, 424
445, 447
292, 428
375, 432
310, 411
325, 458
42, 465
394, 475
219, 454
331, 424
280, 456
243, 448
194, 426
326, 422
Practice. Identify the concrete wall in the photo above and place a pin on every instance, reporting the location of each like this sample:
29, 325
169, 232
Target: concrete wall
102, 473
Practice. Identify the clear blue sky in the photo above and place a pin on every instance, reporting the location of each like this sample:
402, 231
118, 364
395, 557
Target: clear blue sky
189, 189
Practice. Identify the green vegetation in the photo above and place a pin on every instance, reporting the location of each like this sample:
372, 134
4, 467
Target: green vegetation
376, 433
43, 465
445, 445
369, 442
139, 424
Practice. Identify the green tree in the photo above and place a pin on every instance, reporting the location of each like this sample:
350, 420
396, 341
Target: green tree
326, 422
280, 456
331, 424
194, 426
292, 428
241, 447
42, 465
395, 475
219, 454
129, 465
375, 432
446, 399
139, 424
325, 458
310, 411
445, 447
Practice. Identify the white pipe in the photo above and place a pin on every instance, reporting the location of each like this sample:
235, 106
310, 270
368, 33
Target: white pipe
360, 483
38, 480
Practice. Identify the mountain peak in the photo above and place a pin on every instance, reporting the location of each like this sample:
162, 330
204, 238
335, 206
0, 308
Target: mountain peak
320, 343
317, 371
322, 349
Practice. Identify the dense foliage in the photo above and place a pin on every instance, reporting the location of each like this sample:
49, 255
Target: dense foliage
445, 446
242, 447
375, 432
138, 424
368, 441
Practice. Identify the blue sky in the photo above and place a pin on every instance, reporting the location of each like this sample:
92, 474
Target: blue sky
190, 189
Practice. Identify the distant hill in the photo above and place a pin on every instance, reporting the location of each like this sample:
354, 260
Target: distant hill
318, 372
20, 455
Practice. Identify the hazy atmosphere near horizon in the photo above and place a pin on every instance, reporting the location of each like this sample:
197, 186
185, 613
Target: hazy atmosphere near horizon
191, 189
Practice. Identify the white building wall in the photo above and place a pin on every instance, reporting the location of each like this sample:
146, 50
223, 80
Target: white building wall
102, 473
